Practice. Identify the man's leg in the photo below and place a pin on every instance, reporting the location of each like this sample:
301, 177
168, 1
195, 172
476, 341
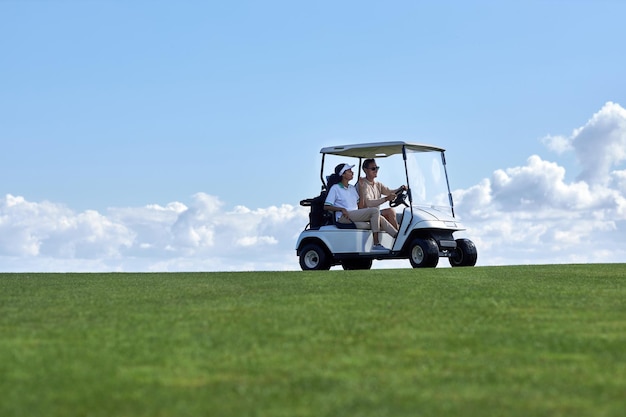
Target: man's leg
377, 222
387, 227
390, 215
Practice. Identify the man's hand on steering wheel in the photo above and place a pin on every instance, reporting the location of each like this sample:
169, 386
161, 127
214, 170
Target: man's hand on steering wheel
400, 198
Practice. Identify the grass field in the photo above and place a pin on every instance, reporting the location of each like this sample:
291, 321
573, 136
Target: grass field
488, 341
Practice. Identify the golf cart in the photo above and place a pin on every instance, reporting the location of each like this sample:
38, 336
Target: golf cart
426, 219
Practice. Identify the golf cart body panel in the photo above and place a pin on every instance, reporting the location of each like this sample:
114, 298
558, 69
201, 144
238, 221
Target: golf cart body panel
425, 230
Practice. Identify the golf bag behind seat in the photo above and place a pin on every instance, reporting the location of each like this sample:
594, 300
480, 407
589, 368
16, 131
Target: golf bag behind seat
318, 217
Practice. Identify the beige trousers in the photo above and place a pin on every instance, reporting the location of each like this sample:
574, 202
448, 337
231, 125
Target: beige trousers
371, 215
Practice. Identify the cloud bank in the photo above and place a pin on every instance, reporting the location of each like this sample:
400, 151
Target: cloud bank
531, 214
199, 236
521, 215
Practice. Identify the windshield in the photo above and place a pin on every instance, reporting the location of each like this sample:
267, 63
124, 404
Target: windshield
427, 179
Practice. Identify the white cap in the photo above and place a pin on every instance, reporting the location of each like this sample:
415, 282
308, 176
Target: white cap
345, 168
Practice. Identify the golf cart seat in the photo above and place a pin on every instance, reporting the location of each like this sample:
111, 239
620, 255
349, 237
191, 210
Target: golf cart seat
351, 225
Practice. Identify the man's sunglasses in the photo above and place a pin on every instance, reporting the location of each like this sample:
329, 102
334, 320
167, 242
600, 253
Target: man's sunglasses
374, 168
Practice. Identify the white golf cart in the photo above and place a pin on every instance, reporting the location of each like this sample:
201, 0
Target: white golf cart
426, 219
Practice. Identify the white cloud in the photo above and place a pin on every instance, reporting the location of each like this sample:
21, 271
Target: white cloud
558, 144
531, 214
521, 215
600, 145
48, 229
202, 235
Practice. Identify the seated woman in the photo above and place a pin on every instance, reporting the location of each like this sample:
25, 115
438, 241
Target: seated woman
343, 199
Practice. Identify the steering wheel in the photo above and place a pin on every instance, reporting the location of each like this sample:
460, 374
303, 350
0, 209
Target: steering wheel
401, 196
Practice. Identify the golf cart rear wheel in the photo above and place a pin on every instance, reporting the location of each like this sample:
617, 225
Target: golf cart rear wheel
348, 264
314, 258
465, 253
423, 253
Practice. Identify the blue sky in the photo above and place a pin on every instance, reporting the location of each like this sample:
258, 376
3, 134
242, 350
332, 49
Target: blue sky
187, 112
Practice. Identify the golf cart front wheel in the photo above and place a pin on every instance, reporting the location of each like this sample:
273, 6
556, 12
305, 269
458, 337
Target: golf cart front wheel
314, 258
423, 253
465, 253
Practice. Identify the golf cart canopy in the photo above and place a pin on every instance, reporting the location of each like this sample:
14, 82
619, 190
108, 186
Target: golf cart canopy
378, 150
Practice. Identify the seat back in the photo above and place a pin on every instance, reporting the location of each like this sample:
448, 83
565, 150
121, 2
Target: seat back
318, 216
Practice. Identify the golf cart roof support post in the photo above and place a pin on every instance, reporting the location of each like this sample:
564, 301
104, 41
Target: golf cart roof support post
445, 169
322, 172
408, 186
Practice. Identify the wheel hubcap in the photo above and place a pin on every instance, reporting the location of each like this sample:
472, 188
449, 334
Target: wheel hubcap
311, 259
417, 254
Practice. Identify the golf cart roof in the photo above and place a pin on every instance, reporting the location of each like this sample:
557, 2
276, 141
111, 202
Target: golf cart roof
378, 149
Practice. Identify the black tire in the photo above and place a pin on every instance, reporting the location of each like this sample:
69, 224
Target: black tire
314, 258
349, 264
465, 253
423, 253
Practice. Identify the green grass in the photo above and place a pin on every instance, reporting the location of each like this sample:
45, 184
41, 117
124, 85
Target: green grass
489, 341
